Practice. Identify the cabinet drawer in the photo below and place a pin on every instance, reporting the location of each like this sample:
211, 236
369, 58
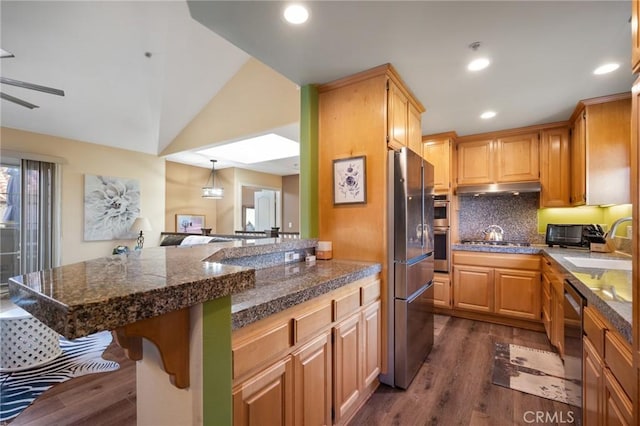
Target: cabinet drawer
594, 328
309, 323
497, 260
260, 349
617, 356
370, 292
346, 305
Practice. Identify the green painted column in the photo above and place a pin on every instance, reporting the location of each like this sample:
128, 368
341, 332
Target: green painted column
216, 362
309, 216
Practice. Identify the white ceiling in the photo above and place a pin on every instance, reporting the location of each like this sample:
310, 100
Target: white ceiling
543, 56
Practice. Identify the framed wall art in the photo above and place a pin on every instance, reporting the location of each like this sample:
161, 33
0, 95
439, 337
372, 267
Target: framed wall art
191, 223
350, 181
111, 204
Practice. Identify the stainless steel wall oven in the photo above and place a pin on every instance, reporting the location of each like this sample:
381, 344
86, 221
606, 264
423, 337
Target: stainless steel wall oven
441, 237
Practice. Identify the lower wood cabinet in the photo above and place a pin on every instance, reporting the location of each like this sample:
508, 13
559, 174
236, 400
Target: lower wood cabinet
507, 285
312, 370
266, 398
607, 374
442, 291
313, 364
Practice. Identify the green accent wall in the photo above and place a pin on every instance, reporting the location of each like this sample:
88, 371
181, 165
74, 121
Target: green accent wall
309, 216
586, 214
216, 362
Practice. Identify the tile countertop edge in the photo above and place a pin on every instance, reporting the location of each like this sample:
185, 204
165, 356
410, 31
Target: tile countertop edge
255, 313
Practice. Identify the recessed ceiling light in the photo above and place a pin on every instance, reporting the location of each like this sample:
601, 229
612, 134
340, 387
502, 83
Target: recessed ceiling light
255, 150
606, 68
296, 14
478, 64
487, 115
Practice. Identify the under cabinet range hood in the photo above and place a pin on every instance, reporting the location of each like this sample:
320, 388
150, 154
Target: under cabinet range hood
513, 188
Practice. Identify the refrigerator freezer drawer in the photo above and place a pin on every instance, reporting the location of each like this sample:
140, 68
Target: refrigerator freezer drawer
410, 277
413, 335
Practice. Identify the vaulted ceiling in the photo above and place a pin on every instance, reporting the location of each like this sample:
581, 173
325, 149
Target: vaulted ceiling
136, 73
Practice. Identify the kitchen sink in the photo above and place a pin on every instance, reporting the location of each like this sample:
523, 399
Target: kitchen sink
586, 262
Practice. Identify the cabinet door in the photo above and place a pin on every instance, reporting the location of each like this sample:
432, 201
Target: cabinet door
473, 288
475, 162
312, 382
555, 168
415, 129
557, 320
518, 158
266, 398
372, 345
347, 371
437, 152
517, 293
397, 115
578, 161
618, 409
592, 385
441, 291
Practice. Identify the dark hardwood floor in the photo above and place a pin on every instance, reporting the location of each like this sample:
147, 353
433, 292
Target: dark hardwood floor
454, 386
102, 399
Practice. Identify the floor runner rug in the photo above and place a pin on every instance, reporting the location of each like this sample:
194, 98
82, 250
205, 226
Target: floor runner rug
535, 372
79, 357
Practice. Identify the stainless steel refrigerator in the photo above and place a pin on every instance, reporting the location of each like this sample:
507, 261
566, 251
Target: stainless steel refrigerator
411, 262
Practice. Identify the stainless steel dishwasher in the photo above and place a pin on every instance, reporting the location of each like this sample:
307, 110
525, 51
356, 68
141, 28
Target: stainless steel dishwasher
573, 309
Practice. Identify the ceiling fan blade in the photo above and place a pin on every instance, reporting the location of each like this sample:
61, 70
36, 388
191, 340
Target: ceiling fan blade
17, 101
31, 86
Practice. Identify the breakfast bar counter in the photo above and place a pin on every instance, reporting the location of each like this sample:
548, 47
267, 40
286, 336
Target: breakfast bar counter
177, 306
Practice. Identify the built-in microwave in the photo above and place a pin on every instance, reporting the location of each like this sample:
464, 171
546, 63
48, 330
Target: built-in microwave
441, 210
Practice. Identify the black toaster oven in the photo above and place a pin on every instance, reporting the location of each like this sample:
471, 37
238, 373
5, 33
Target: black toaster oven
573, 235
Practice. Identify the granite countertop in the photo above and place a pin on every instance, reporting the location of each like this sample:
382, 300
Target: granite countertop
112, 291
281, 287
608, 290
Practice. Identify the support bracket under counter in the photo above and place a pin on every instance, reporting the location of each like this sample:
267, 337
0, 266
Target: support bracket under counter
170, 334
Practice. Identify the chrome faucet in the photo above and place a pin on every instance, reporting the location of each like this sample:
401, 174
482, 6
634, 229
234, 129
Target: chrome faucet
612, 234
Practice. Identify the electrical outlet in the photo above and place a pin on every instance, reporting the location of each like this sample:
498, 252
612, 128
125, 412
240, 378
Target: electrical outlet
296, 256
289, 256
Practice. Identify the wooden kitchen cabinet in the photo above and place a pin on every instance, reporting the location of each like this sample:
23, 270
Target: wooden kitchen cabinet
473, 288
517, 158
312, 372
266, 398
442, 291
555, 168
517, 293
546, 306
600, 151
348, 370
436, 149
592, 385
475, 162
617, 406
504, 285
405, 121
502, 158
314, 363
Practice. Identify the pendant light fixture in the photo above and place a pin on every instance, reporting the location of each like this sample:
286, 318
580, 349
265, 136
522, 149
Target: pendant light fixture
210, 191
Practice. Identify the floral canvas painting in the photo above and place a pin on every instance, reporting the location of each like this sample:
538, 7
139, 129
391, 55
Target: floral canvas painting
349, 180
111, 204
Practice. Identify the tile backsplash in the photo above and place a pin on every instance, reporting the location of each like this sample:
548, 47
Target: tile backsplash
517, 215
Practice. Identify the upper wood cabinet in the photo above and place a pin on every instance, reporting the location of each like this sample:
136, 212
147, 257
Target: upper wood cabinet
502, 158
555, 178
635, 36
436, 149
600, 145
404, 121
